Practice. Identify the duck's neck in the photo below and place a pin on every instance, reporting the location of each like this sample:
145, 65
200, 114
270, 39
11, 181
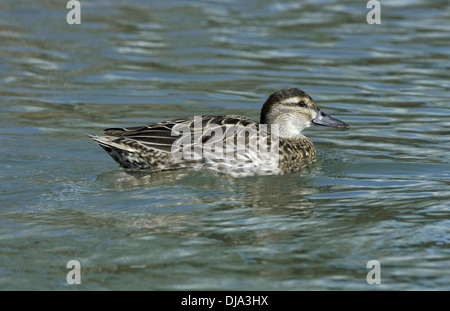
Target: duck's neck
288, 127
286, 131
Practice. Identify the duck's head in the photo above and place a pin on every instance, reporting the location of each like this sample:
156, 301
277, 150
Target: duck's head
293, 110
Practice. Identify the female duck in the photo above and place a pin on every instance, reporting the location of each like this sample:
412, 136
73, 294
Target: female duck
232, 144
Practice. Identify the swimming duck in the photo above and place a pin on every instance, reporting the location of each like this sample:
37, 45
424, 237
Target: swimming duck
275, 145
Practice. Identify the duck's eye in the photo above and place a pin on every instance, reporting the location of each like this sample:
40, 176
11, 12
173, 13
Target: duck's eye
301, 103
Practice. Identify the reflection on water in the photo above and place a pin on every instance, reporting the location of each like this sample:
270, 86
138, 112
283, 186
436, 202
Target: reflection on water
378, 191
285, 192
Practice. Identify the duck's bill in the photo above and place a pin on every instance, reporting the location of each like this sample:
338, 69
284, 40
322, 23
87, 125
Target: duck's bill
325, 120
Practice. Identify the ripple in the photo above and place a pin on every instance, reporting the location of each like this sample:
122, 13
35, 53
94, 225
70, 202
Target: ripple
378, 191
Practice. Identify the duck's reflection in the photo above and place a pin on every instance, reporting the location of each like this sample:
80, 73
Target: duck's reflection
281, 194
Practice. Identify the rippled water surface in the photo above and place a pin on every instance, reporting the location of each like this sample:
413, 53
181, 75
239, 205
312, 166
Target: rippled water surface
379, 191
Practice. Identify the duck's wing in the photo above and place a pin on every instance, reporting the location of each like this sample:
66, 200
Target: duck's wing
157, 136
164, 135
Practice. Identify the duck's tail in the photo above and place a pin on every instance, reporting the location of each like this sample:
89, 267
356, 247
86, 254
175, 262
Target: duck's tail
126, 152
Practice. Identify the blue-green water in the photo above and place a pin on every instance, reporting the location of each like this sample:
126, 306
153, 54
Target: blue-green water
380, 191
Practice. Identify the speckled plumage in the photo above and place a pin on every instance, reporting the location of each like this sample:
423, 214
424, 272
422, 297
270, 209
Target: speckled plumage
296, 154
152, 147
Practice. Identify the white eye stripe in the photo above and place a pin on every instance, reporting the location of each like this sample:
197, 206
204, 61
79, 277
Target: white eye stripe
292, 100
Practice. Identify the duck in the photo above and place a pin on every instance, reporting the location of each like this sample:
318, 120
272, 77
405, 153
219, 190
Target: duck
232, 144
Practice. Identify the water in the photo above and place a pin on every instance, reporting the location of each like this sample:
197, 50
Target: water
379, 191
